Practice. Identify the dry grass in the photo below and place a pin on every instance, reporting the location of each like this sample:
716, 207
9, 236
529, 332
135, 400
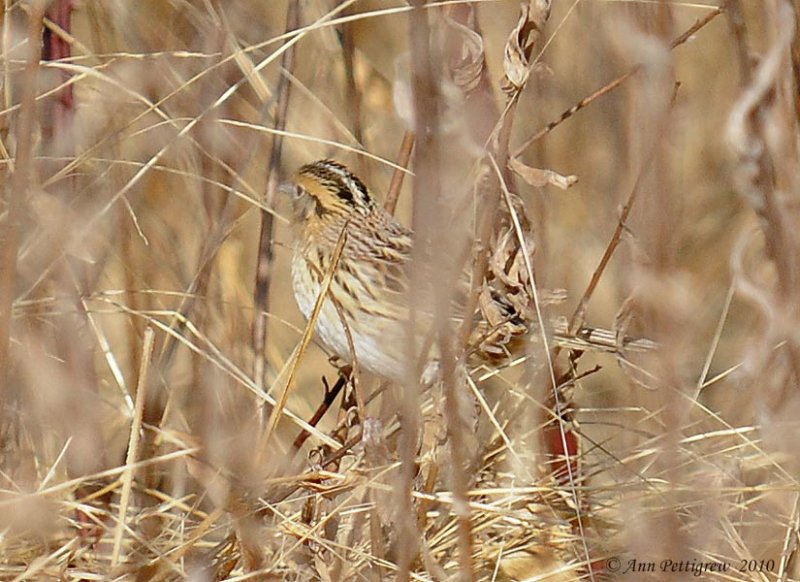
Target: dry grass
136, 173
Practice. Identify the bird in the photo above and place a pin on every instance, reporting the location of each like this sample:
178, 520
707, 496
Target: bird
364, 316
367, 298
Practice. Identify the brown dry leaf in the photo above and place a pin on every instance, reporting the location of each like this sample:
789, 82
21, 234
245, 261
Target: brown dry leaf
516, 60
540, 178
467, 64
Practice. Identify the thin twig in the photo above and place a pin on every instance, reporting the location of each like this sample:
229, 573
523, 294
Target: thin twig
403, 158
327, 400
280, 404
351, 346
577, 319
789, 550
264, 260
133, 442
333, 457
609, 87
723, 318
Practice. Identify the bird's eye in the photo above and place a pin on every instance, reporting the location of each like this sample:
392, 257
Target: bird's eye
292, 189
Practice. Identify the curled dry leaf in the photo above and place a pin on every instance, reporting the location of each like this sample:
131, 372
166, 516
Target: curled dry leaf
540, 178
756, 123
516, 60
498, 326
505, 303
517, 53
467, 62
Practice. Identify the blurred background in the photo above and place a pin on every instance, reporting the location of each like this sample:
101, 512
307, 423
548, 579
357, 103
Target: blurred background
136, 193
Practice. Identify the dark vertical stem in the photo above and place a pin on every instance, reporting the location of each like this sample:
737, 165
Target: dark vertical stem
76, 278
353, 92
796, 61
15, 193
264, 260
55, 48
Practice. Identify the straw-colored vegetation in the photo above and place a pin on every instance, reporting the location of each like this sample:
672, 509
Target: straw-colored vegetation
141, 144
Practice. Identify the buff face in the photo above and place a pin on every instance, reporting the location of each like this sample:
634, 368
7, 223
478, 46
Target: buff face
327, 190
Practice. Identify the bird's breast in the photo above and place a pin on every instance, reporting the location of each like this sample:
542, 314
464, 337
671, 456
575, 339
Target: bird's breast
374, 331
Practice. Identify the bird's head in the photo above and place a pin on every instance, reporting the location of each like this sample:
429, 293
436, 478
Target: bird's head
327, 192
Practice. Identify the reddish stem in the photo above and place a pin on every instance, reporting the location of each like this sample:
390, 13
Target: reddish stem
56, 48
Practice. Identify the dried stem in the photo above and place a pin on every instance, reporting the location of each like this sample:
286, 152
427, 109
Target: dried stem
15, 194
491, 199
612, 85
578, 316
264, 260
55, 48
353, 91
426, 190
133, 443
403, 158
277, 410
328, 399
